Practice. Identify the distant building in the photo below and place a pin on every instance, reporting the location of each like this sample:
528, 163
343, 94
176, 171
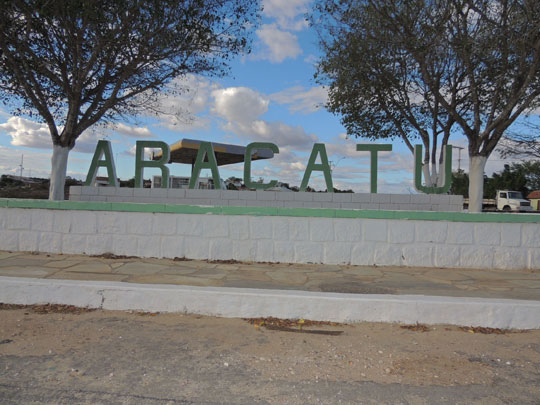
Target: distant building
535, 200
101, 181
203, 183
234, 182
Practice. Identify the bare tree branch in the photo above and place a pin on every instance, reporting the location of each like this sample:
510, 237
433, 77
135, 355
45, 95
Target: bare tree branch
79, 62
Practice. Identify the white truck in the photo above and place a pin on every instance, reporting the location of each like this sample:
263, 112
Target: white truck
512, 201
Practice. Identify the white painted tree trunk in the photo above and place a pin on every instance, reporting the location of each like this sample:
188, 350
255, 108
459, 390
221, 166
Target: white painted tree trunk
431, 177
476, 182
426, 170
58, 172
441, 176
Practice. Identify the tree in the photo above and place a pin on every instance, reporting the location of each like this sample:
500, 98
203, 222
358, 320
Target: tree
74, 63
523, 143
512, 177
488, 58
531, 169
375, 86
460, 183
524, 177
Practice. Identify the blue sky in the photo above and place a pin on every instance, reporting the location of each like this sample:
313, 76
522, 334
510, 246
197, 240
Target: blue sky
270, 96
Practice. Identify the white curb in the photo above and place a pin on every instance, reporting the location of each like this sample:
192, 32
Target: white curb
248, 303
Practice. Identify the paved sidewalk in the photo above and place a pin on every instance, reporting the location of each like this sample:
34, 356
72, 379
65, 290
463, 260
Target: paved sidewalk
496, 284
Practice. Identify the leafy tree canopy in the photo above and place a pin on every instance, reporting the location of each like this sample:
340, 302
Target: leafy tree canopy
524, 177
422, 67
73, 63
375, 85
522, 143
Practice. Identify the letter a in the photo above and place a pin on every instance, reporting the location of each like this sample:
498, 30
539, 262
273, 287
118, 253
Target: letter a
324, 167
205, 150
103, 148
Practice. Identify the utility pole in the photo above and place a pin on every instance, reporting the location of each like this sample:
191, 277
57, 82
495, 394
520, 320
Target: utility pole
21, 166
459, 157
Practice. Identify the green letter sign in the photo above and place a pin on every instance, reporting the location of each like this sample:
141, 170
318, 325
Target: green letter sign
374, 149
247, 164
206, 159
205, 150
140, 163
102, 148
324, 167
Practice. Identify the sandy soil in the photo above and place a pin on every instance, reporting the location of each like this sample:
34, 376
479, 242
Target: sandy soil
120, 357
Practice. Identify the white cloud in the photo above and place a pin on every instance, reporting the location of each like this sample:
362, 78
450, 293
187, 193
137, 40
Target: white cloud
344, 148
289, 14
276, 132
130, 151
87, 141
183, 108
27, 133
287, 167
239, 104
34, 164
37, 164
241, 108
147, 152
33, 134
279, 44
132, 132
301, 99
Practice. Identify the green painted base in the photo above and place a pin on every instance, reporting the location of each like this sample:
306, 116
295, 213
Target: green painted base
270, 211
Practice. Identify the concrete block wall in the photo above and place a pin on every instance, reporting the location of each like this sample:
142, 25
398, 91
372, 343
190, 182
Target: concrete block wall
330, 240
365, 201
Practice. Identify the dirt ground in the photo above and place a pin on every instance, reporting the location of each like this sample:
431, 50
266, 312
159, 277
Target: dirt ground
109, 357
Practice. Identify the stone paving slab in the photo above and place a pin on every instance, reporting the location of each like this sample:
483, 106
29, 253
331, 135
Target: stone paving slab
510, 284
88, 276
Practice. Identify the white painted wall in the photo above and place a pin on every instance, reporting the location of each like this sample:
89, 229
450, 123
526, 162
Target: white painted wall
411, 243
364, 201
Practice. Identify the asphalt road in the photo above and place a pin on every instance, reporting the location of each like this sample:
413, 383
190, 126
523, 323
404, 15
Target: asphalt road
106, 357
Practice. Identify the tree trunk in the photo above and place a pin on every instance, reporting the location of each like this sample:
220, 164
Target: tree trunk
428, 178
433, 178
440, 177
58, 172
476, 182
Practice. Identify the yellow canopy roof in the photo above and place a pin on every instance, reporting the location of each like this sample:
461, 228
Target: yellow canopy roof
185, 151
